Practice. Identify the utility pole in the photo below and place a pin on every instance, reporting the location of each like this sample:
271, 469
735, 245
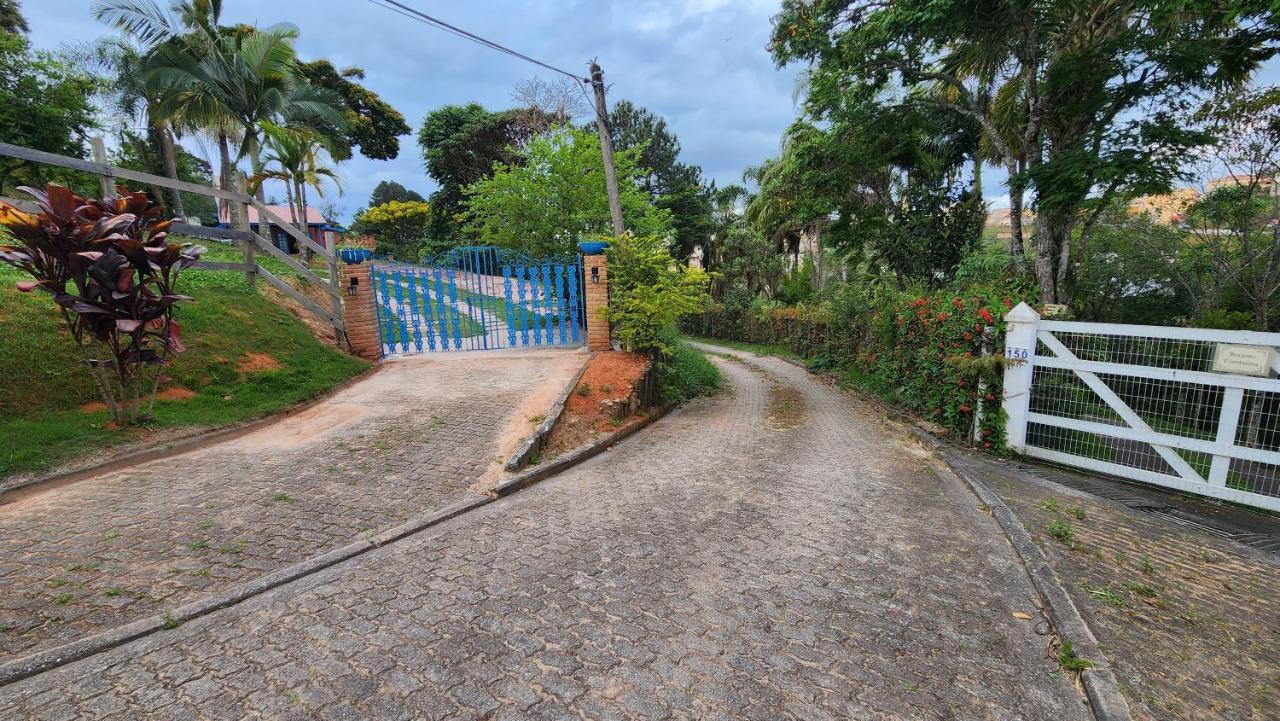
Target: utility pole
606, 148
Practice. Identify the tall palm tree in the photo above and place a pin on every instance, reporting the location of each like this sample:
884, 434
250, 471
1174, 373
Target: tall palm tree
223, 78
120, 62
295, 157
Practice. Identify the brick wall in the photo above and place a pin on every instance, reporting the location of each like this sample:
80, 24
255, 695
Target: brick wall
597, 297
359, 313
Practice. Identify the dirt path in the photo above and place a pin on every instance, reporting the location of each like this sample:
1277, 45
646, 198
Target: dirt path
778, 552
412, 437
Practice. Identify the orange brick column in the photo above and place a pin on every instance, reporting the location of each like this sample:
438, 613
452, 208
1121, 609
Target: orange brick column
358, 311
595, 279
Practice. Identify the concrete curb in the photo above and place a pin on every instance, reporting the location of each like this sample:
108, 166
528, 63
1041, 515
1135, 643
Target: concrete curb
576, 456
48, 659
25, 489
1100, 685
533, 444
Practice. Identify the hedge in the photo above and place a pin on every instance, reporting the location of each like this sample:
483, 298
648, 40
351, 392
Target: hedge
920, 351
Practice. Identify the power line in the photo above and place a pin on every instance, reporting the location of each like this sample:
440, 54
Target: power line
397, 7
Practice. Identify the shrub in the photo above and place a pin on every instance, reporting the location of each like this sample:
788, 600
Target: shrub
685, 374
649, 292
112, 276
925, 351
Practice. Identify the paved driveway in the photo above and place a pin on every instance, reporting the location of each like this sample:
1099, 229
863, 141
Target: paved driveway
776, 553
414, 436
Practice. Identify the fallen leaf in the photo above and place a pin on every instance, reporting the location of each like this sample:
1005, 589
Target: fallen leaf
1023, 615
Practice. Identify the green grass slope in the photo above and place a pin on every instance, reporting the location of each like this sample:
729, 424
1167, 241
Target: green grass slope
43, 387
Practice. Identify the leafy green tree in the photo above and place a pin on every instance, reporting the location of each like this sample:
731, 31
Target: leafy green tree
461, 145
649, 292
675, 186
45, 104
227, 80
1123, 275
119, 63
294, 156
398, 227
557, 197
11, 19
1082, 91
389, 190
371, 123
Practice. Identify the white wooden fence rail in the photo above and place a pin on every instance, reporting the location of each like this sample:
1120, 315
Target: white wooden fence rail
1147, 403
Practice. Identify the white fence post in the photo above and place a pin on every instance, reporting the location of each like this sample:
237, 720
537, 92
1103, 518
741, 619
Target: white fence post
1019, 349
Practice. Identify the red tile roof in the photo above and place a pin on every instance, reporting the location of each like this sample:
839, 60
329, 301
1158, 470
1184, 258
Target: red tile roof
281, 211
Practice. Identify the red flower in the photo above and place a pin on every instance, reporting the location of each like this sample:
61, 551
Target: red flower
967, 335
964, 409
942, 316
986, 315
986, 444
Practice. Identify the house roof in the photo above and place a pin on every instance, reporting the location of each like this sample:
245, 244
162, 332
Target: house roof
282, 211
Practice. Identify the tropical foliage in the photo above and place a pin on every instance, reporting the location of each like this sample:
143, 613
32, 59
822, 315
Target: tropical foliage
113, 277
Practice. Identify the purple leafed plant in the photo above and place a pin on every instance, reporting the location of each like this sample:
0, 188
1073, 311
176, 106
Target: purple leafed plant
112, 275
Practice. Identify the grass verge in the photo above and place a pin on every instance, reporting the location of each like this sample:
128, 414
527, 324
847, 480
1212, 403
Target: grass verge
757, 348
246, 358
687, 374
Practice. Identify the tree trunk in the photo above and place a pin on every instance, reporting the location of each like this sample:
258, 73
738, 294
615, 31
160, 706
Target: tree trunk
1016, 242
225, 175
1052, 239
303, 225
169, 152
255, 164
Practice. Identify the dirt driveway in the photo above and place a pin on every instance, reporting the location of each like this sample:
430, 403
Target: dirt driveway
414, 436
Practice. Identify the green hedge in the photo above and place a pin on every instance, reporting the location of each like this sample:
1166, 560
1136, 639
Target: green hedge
921, 351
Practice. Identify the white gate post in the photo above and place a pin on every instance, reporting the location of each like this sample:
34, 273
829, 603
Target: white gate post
1019, 350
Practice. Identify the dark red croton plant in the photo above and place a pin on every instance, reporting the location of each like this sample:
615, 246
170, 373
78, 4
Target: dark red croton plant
112, 275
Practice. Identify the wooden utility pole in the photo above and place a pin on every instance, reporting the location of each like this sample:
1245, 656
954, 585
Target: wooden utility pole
606, 148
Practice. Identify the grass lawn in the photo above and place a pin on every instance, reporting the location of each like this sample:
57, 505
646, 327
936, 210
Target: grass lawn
757, 348
44, 388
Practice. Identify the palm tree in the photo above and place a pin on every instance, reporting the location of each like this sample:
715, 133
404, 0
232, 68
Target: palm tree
120, 61
229, 80
294, 157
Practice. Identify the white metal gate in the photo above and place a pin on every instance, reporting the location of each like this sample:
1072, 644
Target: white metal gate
1148, 403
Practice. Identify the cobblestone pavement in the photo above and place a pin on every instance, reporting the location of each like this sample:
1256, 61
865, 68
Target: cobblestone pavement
718, 565
109, 550
1190, 621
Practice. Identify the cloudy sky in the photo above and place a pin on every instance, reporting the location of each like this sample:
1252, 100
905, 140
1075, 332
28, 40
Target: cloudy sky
701, 64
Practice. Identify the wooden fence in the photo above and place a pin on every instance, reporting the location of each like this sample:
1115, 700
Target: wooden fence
239, 202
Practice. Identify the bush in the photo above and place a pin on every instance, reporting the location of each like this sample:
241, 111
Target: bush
113, 278
649, 292
923, 351
686, 374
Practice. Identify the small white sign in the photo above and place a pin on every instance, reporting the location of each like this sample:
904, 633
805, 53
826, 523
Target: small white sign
1054, 309
1246, 360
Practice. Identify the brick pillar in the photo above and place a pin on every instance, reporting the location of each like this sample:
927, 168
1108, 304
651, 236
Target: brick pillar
594, 267
358, 312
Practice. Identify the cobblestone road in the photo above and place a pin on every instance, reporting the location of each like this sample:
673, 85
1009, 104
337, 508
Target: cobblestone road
1190, 621
106, 551
775, 553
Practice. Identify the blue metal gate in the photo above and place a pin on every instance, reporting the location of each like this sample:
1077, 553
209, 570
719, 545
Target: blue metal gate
479, 298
